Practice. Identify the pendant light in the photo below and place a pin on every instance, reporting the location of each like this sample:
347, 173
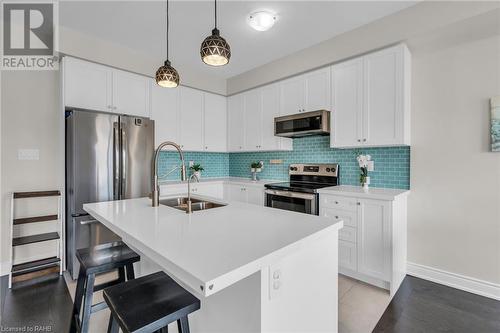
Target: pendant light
166, 75
215, 51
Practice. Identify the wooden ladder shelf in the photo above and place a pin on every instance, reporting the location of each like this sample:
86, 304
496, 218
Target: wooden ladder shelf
22, 271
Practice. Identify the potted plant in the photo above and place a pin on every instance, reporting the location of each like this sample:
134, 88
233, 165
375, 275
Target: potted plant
363, 161
197, 169
256, 167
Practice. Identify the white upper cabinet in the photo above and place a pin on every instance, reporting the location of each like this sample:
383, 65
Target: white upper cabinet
384, 97
376, 88
270, 110
215, 133
347, 103
165, 113
191, 119
292, 95
252, 101
307, 92
236, 119
317, 90
100, 88
87, 85
131, 94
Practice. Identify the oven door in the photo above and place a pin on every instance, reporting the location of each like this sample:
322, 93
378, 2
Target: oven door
294, 201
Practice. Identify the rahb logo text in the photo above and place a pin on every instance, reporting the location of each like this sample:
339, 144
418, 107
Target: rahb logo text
29, 36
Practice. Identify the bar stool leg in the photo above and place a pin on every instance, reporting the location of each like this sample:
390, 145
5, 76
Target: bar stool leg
87, 305
183, 325
121, 274
113, 325
130, 272
80, 287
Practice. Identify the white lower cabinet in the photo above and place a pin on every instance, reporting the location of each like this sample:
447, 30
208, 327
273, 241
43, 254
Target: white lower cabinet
244, 193
221, 190
372, 243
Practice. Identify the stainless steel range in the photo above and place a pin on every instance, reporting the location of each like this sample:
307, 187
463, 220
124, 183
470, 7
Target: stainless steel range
300, 193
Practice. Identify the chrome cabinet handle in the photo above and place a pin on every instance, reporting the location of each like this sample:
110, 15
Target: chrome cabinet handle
359, 140
336, 202
364, 140
358, 203
336, 216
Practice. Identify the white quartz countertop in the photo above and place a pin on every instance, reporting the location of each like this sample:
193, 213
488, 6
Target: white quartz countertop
212, 249
239, 180
359, 192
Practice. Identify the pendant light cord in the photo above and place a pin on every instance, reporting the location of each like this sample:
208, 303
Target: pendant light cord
215, 14
167, 30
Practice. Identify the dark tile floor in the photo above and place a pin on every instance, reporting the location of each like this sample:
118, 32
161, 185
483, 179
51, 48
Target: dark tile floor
418, 306
423, 306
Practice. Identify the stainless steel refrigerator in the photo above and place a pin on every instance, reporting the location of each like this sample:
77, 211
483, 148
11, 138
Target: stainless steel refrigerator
108, 157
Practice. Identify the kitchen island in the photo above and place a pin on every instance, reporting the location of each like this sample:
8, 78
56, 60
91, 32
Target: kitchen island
254, 268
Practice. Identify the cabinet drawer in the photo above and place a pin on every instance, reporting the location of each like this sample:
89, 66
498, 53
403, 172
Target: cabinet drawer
348, 255
349, 218
348, 234
344, 203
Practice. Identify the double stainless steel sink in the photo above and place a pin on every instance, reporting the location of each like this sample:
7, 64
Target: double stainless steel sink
181, 203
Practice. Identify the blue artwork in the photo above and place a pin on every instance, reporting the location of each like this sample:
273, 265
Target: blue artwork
495, 124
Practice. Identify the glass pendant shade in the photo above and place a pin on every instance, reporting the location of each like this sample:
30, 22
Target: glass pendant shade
215, 51
167, 76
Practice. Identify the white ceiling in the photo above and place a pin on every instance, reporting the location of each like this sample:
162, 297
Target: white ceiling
140, 25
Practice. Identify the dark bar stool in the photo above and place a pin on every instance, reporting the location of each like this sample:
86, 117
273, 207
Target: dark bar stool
96, 260
148, 304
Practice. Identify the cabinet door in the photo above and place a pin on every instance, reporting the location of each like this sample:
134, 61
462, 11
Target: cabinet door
383, 97
252, 102
292, 96
215, 123
347, 104
255, 195
374, 238
347, 255
87, 85
270, 110
237, 193
214, 190
191, 119
236, 118
318, 90
131, 94
165, 113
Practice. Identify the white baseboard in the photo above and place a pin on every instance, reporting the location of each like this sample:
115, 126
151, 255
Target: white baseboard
4, 268
466, 283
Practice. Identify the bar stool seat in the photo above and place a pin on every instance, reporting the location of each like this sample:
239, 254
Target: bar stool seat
148, 304
96, 260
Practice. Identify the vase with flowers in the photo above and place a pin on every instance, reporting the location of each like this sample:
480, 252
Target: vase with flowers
196, 169
363, 162
256, 167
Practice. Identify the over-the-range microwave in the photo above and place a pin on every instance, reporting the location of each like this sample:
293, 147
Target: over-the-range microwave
303, 124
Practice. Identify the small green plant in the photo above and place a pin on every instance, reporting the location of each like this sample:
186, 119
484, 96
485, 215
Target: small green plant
196, 167
256, 165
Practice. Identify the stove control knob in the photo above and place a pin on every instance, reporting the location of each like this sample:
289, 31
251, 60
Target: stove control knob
327, 169
333, 169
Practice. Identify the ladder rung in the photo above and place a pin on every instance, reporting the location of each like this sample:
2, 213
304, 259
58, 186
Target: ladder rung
34, 238
35, 265
36, 219
36, 194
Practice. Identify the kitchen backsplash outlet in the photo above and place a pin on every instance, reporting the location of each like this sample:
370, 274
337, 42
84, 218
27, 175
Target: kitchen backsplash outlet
392, 163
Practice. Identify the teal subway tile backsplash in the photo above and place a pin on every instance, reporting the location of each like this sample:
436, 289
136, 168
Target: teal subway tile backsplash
215, 164
392, 164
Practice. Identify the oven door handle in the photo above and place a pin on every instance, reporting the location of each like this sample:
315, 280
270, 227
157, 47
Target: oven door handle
291, 194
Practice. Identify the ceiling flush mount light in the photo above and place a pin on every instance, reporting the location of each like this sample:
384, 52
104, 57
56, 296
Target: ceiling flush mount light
215, 51
261, 21
166, 76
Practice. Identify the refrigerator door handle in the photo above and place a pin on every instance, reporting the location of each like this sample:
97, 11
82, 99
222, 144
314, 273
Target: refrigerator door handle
124, 154
91, 221
116, 162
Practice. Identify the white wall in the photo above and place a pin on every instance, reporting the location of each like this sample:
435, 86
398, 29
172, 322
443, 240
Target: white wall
454, 207
30, 115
